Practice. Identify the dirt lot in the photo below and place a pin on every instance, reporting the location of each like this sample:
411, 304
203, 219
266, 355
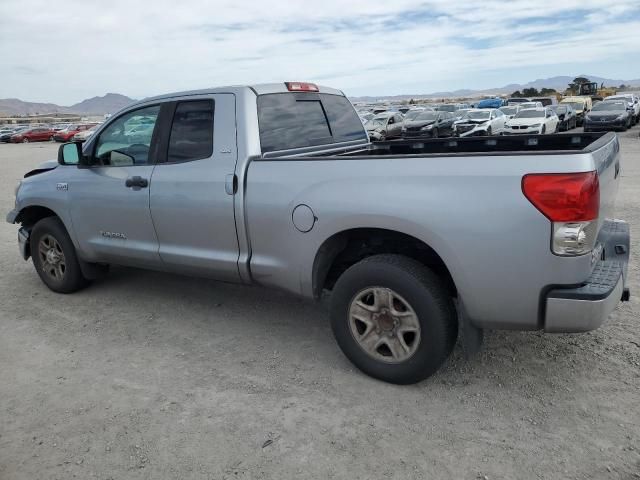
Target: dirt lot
150, 375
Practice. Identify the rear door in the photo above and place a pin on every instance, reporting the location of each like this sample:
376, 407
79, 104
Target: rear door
193, 186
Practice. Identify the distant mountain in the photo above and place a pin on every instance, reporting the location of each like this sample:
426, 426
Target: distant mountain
109, 103
559, 83
13, 106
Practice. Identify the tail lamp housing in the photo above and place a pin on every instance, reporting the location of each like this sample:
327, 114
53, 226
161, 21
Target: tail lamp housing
571, 201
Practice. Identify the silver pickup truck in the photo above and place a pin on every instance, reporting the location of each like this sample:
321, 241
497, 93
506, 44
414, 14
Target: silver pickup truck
413, 242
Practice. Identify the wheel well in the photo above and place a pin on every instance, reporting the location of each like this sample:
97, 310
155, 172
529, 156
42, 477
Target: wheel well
346, 248
29, 216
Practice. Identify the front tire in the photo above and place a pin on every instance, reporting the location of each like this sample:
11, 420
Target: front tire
54, 257
25, 140
393, 319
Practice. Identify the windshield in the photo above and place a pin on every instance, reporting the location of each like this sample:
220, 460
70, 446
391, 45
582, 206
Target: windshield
477, 115
509, 110
576, 105
604, 106
376, 122
412, 114
530, 114
426, 116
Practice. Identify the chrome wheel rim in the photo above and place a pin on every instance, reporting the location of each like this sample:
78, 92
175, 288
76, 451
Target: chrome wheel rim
384, 325
52, 258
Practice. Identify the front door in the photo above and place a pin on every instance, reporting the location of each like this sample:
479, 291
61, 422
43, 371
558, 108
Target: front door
193, 186
110, 194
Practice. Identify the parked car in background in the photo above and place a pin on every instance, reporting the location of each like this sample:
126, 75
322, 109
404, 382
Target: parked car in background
581, 105
37, 134
84, 134
6, 137
365, 117
491, 103
430, 124
459, 114
546, 101
447, 107
610, 115
478, 122
533, 120
632, 104
66, 134
59, 126
510, 110
514, 101
413, 113
567, 118
531, 105
384, 126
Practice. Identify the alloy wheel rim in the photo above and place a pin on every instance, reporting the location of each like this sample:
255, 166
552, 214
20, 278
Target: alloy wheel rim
384, 325
52, 258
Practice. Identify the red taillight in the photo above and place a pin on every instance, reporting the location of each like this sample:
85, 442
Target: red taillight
301, 87
564, 197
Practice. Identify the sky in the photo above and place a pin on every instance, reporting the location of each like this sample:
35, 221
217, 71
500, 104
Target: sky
68, 50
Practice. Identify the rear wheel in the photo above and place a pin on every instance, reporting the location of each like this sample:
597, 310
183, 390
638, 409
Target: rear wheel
54, 257
393, 319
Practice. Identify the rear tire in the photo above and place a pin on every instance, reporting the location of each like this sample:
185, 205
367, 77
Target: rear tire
393, 319
54, 257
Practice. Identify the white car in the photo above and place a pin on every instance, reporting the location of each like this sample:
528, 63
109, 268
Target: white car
480, 121
533, 121
510, 110
85, 134
531, 105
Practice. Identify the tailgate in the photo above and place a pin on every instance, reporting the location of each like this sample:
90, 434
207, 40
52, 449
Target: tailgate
606, 158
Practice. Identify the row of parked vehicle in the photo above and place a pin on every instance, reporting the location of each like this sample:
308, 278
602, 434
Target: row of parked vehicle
517, 116
61, 132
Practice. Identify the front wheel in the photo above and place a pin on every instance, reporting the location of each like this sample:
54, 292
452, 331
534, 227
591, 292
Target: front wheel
25, 140
54, 257
393, 319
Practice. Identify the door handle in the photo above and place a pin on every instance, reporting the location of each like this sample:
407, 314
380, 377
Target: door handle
136, 182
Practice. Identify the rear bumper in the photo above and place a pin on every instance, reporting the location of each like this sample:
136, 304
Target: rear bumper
587, 306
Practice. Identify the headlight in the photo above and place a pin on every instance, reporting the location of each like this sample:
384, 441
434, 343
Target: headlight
536, 125
427, 127
620, 117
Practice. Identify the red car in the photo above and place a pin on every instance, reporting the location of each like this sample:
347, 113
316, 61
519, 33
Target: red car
36, 134
66, 135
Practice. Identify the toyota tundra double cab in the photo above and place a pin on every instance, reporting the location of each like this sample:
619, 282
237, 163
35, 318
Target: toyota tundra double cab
413, 242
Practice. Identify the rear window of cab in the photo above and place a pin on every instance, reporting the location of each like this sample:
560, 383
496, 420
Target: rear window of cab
298, 120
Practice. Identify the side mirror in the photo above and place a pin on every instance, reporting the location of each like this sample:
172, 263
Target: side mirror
70, 154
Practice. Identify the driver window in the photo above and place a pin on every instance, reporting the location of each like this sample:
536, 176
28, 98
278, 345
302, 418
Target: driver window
127, 141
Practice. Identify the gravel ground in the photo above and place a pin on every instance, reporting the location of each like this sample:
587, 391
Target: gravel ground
151, 375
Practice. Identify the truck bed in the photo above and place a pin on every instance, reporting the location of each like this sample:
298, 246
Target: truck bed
498, 145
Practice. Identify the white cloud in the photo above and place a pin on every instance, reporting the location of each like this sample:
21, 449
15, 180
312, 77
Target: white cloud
72, 49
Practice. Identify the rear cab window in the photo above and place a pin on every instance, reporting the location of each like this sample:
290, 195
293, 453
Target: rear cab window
299, 120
